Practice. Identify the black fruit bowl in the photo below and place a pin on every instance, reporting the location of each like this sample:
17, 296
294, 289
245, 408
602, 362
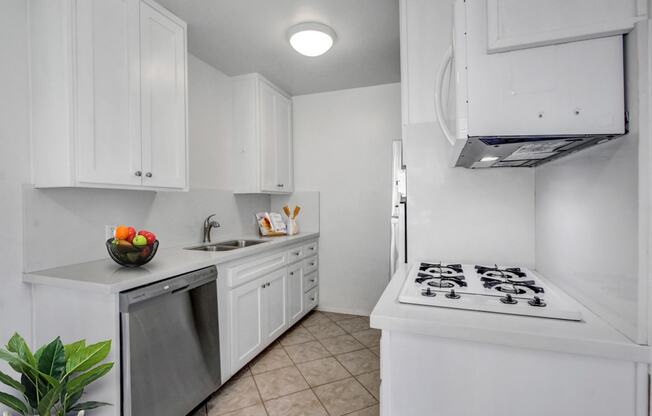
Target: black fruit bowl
129, 255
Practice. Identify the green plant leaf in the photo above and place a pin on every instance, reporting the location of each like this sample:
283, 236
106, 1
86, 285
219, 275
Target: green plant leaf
88, 406
9, 381
18, 345
78, 383
74, 347
85, 358
49, 400
52, 360
14, 403
30, 390
71, 399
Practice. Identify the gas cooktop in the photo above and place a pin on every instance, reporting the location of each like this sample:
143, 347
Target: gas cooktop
509, 290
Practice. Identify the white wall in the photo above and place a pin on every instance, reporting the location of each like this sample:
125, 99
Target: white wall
14, 167
479, 216
210, 110
343, 149
593, 208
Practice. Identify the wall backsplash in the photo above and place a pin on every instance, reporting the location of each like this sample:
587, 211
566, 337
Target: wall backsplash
75, 219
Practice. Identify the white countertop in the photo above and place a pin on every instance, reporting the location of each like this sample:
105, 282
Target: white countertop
106, 276
592, 336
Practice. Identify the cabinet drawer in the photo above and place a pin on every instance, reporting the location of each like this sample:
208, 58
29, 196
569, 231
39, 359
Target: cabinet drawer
310, 249
310, 265
295, 253
252, 269
310, 280
311, 298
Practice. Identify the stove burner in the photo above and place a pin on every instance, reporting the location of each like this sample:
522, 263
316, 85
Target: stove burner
510, 286
443, 269
496, 272
508, 300
428, 292
443, 282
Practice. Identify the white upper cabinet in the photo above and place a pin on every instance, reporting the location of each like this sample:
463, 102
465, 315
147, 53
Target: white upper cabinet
163, 98
262, 136
108, 95
518, 24
108, 92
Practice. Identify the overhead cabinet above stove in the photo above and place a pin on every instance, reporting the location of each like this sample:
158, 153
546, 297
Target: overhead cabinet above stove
109, 95
524, 107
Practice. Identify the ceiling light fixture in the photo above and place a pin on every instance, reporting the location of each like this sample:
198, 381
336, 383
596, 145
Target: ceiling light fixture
311, 38
489, 159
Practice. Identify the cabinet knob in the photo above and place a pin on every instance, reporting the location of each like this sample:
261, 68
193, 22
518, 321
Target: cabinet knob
268, 284
312, 264
312, 280
263, 285
291, 273
280, 185
312, 299
138, 173
148, 174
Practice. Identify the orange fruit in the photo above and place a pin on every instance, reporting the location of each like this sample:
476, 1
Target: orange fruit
122, 232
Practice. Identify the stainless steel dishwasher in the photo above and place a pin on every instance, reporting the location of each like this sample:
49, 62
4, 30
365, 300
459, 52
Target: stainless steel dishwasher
170, 345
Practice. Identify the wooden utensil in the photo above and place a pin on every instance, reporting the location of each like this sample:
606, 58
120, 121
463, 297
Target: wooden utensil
296, 212
286, 209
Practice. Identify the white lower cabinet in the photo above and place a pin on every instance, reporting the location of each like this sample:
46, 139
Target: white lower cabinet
267, 294
295, 293
274, 304
246, 322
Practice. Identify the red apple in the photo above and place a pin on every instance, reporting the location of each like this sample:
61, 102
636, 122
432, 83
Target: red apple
131, 234
148, 235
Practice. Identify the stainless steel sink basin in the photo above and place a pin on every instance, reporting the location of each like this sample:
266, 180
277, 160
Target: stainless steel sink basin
241, 243
227, 245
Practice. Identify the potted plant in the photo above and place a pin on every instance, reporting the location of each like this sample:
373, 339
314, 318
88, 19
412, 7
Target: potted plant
53, 379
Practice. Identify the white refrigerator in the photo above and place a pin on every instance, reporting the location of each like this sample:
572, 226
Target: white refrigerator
398, 229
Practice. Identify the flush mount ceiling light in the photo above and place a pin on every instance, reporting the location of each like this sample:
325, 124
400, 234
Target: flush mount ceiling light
489, 159
311, 38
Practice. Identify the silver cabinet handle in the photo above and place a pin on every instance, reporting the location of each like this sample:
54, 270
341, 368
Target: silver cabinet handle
280, 185
263, 285
148, 174
138, 173
291, 273
297, 253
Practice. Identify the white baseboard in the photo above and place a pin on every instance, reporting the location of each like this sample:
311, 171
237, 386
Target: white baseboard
348, 311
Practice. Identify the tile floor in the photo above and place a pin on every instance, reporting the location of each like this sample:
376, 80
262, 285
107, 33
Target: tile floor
326, 365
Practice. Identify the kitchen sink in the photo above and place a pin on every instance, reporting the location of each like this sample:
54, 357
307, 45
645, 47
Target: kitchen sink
241, 243
227, 245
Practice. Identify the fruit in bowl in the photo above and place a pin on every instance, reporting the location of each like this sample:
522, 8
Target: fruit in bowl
131, 249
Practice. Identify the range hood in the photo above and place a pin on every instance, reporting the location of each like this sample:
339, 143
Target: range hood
526, 107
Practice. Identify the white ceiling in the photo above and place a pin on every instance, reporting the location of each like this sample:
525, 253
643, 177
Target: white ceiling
243, 36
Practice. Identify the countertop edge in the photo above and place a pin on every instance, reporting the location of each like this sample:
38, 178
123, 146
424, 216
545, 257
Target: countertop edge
389, 315
42, 277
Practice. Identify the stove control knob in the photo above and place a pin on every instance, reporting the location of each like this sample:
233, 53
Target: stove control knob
537, 301
428, 292
508, 300
452, 295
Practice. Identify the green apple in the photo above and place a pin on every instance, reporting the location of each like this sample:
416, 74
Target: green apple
139, 241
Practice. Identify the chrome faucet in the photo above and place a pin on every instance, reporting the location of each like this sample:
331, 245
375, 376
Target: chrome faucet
208, 226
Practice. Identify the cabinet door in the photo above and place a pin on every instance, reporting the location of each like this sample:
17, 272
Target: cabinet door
294, 293
267, 130
246, 322
163, 78
283, 138
275, 302
108, 92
